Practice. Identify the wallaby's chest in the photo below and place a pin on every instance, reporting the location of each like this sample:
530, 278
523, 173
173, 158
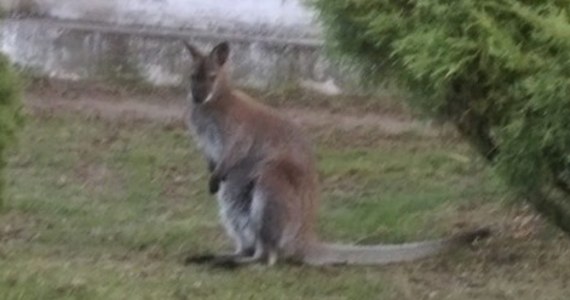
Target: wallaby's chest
206, 132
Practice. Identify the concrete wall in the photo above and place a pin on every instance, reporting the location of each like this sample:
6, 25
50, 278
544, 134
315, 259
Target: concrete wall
77, 51
274, 42
266, 17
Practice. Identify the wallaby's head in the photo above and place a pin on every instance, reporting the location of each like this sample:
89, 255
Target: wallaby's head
207, 71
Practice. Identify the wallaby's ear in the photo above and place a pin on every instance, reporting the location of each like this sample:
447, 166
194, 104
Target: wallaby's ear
196, 54
220, 53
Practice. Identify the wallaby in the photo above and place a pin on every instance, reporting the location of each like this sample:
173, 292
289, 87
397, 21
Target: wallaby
264, 174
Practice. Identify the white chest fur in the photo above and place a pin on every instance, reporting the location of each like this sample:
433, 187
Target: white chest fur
206, 134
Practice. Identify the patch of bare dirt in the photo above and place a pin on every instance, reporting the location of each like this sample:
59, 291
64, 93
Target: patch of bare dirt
16, 225
169, 107
95, 176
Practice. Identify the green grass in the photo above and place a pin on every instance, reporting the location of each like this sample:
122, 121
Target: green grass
107, 210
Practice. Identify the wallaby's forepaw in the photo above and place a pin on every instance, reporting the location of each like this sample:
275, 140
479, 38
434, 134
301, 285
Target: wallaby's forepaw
214, 184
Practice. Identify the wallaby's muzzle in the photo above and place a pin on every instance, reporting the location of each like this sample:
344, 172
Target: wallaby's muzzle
199, 93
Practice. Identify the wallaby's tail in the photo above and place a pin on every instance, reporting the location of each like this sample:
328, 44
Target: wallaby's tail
331, 254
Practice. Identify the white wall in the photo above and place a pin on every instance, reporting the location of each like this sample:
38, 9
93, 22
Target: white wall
284, 17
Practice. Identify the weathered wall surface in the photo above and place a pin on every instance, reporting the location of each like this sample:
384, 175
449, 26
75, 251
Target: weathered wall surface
274, 42
77, 51
268, 17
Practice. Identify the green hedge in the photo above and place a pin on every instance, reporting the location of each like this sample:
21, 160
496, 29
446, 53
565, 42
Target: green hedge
10, 114
498, 69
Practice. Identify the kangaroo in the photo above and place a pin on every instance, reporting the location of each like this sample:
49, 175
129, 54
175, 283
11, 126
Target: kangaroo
264, 174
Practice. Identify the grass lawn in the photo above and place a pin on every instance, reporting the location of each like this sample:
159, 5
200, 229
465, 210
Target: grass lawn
106, 209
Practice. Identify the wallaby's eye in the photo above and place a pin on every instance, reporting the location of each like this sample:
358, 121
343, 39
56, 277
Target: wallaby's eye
212, 76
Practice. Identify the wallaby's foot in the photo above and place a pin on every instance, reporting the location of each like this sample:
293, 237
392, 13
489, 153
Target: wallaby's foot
230, 261
225, 262
199, 259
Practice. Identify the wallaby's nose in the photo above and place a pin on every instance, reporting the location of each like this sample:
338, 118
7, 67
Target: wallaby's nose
198, 96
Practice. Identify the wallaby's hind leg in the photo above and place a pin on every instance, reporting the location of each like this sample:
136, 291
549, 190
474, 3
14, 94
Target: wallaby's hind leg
254, 215
265, 223
251, 229
234, 198
266, 219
